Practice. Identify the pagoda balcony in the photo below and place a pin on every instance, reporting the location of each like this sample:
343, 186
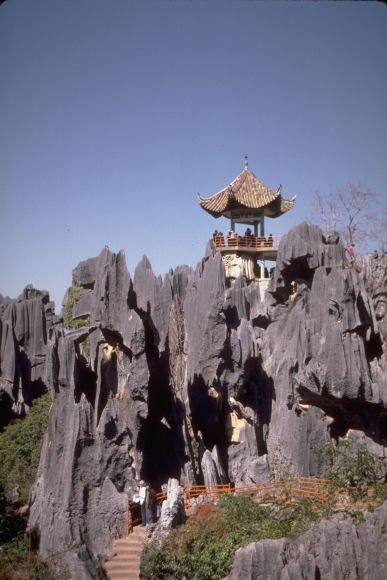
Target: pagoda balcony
262, 247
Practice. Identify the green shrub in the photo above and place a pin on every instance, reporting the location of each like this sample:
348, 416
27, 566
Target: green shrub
86, 347
351, 464
381, 492
204, 548
11, 523
20, 445
72, 300
17, 562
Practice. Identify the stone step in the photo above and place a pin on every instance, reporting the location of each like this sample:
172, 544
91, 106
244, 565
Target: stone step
126, 556
121, 564
124, 576
138, 533
129, 568
128, 551
138, 527
134, 568
130, 540
134, 538
125, 565
113, 571
123, 545
138, 530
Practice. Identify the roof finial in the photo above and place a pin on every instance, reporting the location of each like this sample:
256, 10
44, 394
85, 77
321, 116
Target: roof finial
246, 162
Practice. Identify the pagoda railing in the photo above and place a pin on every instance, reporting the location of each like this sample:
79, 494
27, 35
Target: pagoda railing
254, 242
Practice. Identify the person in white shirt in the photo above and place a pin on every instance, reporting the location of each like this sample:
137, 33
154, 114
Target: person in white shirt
139, 497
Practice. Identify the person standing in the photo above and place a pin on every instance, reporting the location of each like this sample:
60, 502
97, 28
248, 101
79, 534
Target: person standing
139, 497
351, 253
150, 505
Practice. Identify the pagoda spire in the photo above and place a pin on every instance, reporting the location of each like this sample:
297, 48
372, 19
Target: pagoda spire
246, 162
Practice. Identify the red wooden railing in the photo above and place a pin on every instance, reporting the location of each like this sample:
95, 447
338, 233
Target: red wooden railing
237, 241
212, 492
290, 491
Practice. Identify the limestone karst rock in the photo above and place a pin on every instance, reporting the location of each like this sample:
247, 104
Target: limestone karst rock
374, 276
197, 378
172, 514
323, 349
24, 324
333, 549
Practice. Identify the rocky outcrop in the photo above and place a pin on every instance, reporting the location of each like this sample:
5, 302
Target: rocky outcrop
172, 515
374, 275
333, 549
24, 325
323, 348
114, 415
194, 377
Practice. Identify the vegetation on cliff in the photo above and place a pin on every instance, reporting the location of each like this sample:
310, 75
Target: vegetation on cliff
352, 464
17, 562
20, 445
204, 548
73, 300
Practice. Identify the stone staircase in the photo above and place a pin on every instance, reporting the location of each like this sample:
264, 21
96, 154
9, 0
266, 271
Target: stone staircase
125, 565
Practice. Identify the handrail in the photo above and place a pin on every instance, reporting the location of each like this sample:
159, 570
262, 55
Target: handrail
161, 496
237, 241
292, 490
216, 491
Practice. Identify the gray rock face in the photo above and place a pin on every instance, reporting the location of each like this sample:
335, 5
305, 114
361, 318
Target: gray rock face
323, 348
333, 549
172, 515
114, 416
172, 510
374, 275
213, 472
195, 378
24, 324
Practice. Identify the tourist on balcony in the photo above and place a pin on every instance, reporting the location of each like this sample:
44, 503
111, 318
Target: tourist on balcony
220, 239
231, 238
351, 253
248, 237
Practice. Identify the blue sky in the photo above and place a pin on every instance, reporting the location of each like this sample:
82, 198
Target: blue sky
114, 115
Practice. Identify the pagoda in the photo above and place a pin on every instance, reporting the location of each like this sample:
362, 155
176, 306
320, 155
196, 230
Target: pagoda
247, 201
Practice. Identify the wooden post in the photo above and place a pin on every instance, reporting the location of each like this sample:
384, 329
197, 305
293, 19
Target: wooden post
127, 519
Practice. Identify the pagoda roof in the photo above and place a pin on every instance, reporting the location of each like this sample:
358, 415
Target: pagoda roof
247, 192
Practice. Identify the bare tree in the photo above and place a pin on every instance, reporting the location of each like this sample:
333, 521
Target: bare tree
355, 212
